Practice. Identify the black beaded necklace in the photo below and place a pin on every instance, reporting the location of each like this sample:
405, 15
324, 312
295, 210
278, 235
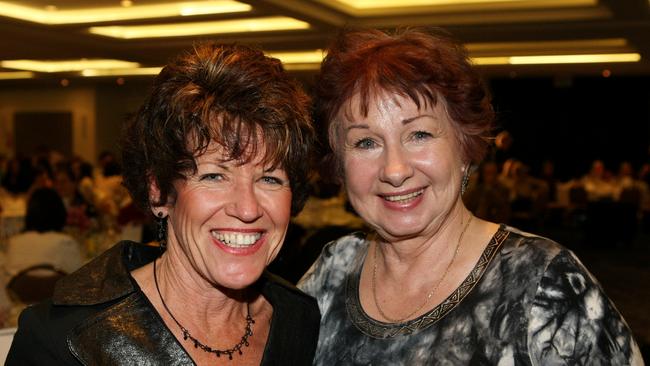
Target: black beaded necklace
197, 344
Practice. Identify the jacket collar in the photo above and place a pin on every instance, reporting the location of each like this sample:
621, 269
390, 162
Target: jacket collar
106, 277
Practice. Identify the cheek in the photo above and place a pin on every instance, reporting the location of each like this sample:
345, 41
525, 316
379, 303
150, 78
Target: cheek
358, 172
196, 205
278, 206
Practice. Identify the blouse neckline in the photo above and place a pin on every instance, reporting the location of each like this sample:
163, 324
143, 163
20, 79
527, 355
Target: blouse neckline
381, 330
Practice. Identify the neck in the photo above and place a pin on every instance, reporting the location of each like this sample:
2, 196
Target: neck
211, 306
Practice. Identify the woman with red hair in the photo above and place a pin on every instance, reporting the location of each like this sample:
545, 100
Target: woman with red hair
407, 118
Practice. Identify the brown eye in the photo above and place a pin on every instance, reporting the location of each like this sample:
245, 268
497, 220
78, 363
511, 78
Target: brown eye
212, 177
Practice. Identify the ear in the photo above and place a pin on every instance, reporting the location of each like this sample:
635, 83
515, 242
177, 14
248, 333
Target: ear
154, 197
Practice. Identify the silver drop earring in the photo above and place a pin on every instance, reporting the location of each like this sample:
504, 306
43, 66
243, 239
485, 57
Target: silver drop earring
465, 181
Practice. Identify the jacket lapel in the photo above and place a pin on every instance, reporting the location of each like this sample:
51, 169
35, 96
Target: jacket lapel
127, 333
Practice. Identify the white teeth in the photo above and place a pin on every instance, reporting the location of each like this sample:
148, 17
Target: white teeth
403, 197
237, 240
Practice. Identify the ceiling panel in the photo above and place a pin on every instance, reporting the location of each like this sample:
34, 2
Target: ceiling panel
495, 28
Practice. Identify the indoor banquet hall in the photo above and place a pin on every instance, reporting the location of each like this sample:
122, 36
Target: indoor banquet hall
569, 158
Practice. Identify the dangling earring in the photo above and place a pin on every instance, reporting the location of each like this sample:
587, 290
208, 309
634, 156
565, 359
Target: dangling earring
162, 231
465, 181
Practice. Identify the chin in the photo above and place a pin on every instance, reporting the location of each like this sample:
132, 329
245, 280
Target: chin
242, 280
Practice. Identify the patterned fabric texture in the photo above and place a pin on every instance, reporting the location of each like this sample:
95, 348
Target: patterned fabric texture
528, 301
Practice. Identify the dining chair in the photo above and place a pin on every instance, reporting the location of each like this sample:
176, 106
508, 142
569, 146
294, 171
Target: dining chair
34, 284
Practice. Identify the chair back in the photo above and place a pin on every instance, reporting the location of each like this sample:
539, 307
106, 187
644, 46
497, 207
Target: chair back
34, 284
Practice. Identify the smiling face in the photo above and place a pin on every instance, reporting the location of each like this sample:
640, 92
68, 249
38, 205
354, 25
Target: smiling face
402, 166
229, 220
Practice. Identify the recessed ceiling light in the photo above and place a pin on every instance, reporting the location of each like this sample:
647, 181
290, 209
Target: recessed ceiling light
377, 4
197, 28
126, 3
121, 72
557, 59
16, 75
117, 13
66, 65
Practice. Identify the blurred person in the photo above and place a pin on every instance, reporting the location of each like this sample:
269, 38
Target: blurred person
76, 205
488, 199
597, 183
43, 240
547, 174
219, 155
407, 116
19, 175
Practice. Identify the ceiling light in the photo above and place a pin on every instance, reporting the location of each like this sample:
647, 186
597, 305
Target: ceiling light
197, 28
299, 57
116, 13
557, 59
66, 65
368, 4
380, 4
121, 72
16, 75
292, 60
600, 45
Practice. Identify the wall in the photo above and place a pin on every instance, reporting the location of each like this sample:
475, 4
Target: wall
98, 113
114, 104
80, 101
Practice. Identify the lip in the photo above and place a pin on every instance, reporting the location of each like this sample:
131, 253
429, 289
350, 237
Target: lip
249, 250
403, 206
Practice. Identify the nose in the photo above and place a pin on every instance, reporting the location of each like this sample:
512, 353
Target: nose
397, 167
244, 204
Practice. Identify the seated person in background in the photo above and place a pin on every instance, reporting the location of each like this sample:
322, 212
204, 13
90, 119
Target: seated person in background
597, 182
42, 240
488, 199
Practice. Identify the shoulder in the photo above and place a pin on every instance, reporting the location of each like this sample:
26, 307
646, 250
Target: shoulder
41, 336
570, 318
519, 240
57, 238
295, 325
531, 251
337, 259
342, 253
24, 237
105, 278
282, 293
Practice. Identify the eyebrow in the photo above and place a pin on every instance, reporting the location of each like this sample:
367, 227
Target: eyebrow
214, 163
404, 122
409, 120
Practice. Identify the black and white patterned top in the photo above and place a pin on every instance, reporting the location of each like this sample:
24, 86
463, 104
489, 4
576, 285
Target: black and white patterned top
528, 301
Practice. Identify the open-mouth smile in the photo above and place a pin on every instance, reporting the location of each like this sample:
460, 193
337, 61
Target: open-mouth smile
237, 239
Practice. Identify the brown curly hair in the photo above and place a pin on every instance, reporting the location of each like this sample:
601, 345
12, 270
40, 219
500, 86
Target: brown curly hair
423, 64
231, 94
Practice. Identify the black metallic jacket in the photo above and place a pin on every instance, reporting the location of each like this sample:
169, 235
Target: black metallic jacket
99, 316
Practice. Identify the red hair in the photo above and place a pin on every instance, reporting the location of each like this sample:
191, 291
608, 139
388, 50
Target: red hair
417, 63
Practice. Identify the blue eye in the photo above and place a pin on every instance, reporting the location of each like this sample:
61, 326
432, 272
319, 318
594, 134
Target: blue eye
364, 143
212, 177
421, 135
272, 180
